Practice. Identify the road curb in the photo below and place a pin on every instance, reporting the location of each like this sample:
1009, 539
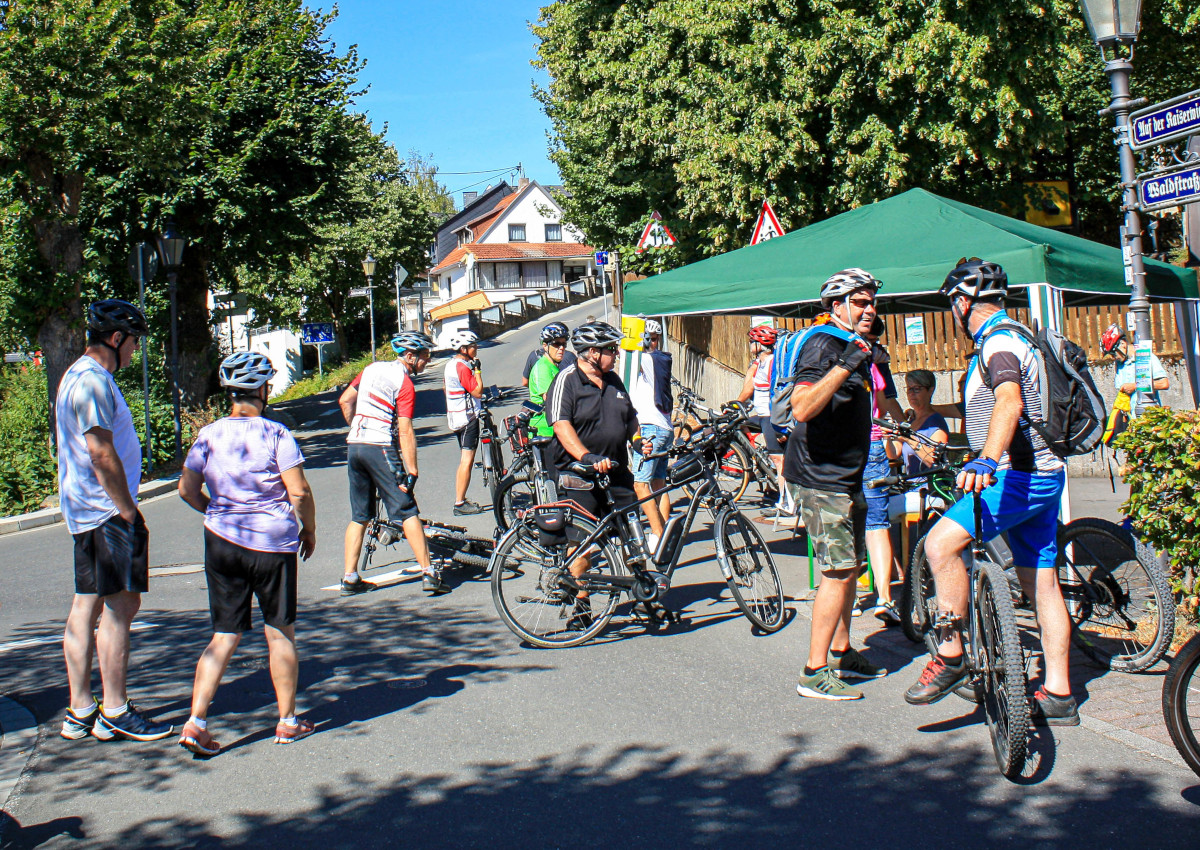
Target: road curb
1141, 743
18, 734
50, 516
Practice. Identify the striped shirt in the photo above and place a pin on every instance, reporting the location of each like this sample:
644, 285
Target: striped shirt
385, 394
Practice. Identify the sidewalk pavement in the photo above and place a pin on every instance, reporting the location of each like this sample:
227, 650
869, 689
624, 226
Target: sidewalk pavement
50, 516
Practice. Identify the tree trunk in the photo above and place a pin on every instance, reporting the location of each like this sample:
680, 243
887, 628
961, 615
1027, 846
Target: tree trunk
61, 340
195, 331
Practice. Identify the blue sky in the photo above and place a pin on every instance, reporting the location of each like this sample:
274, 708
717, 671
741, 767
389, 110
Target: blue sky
452, 80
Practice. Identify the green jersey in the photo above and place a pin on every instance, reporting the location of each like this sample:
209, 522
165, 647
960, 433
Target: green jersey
540, 378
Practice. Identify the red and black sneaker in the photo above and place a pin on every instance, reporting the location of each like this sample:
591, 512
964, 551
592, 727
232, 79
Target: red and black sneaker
937, 679
1046, 709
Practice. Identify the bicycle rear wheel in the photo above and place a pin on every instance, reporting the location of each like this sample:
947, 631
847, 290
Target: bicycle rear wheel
1181, 702
749, 570
514, 496
732, 473
1118, 599
1000, 664
529, 584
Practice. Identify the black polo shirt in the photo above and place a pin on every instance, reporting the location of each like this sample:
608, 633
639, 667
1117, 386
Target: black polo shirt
603, 417
829, 452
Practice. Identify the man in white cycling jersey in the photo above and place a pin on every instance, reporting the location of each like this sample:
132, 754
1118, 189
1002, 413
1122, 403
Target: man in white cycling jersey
464, 388
381, 455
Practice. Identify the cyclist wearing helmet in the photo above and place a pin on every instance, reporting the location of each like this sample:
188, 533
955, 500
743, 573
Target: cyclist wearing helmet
1021, 483
823, 468
258, 515
757, 390
1115, 345
593, 420
381, 455
99, 467
464, 388
552, 331
545, 370
650, 392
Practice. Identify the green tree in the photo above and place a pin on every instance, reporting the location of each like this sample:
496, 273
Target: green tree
422, 175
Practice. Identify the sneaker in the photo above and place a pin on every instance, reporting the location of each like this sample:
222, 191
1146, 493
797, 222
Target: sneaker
824, 685
1048, 710
353, 588
198, 740
467, 508
132, 725
937, 680
853, 665
432, 583
76, 726
886, 612
581, 616
286, 733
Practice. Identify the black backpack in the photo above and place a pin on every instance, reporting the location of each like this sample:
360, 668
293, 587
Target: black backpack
1073, 414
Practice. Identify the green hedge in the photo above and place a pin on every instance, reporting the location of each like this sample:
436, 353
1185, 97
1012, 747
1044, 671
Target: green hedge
1162, 468
334, 377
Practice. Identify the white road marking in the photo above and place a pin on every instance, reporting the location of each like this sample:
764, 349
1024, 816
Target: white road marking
389, 578
137, 626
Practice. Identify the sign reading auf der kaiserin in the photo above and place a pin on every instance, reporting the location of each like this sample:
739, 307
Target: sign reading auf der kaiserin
1164, 122
1171, 189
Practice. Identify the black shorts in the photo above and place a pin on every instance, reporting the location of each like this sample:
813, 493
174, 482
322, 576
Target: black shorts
468, 436
762, 425
373, 472
236, 573
113, 557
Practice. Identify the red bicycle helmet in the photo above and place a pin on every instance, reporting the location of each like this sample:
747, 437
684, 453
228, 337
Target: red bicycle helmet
763, 335
1110, 338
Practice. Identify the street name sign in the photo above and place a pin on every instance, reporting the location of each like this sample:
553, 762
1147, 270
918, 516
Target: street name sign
767, 226
1164, 122
1170, 189
359, 292
316, 333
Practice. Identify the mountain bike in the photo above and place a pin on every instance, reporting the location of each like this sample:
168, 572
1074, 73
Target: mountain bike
491, 455
1181, 702
450, 546
744, 461
555, 552
527, 482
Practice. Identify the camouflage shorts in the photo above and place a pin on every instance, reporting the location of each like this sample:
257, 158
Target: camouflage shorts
836, 524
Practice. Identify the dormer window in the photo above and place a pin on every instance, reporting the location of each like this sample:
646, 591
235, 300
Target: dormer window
553, 232
516, 233
465, 236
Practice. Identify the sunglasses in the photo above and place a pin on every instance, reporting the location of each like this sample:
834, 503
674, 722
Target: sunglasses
962, 260
864, 303
558, 343
608, 349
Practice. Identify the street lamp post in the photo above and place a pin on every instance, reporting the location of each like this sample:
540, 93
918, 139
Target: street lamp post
170, 248
368, 266
1112, 23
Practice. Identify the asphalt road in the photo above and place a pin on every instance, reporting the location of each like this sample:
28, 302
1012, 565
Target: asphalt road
436, 728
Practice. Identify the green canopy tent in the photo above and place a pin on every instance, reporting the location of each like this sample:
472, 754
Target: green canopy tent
909, 241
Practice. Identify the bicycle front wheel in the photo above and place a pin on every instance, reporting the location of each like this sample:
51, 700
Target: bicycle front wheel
514, 496
1119, 601
749, 570
918, 601
998, 660
732, 473
1181, 702
532, 578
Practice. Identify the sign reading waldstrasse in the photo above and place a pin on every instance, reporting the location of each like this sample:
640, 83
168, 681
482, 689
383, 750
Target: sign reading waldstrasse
1165, 122
656, 234
767, 226
1172, 189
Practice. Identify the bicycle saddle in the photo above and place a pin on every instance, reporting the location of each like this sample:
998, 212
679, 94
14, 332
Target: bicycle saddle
540, 441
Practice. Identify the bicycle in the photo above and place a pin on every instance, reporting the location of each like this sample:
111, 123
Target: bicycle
535, 591
744, 459
527, 482
1181, 702
450, 546
491, 455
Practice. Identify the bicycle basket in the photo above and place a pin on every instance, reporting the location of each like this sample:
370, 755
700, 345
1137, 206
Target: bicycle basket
687, 468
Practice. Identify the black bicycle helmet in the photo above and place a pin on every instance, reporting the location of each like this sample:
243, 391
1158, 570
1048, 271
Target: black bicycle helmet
555, 330
595, 335
977, 279
113, 314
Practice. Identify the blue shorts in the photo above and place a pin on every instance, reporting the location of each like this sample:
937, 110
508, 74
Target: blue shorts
1026, 506
877, 497
645, 471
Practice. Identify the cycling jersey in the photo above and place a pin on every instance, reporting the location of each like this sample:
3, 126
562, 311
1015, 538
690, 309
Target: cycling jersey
385, 394
762, 383
540, 378
1008, 357
460, 382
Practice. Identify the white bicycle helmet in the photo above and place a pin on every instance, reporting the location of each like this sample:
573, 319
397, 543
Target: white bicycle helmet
411, 341
846, 281
462, 339
246, 370
653, 326
595, 335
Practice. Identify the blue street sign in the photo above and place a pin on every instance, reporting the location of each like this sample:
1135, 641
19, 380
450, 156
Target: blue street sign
1172, 119
315, 333
601, 258
1172, 189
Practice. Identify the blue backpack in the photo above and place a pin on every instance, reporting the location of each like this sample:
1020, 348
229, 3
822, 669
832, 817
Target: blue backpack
783, 370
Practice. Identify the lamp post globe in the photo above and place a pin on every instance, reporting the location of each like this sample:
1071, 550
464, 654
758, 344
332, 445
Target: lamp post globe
1112, 21
368, 265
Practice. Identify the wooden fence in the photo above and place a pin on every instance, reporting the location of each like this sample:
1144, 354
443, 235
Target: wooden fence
723, 337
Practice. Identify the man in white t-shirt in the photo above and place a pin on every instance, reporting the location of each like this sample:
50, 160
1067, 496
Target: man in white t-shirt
99, 468
464, 388
650, 392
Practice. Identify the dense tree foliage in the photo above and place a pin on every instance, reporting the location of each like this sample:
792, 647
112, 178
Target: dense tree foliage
701, 108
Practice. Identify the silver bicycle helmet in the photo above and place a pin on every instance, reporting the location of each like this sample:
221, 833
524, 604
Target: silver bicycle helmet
246, 370
653, 326
846, 281
977, 279
411, 341
113, 314
462, 339
595, 335
555, 330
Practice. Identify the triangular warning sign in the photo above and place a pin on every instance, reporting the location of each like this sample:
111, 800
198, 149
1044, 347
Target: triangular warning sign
767, 227
656, 234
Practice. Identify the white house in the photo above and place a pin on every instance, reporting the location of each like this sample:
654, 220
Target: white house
233, 330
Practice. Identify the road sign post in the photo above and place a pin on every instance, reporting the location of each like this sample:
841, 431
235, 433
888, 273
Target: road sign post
318, 334
401, 275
